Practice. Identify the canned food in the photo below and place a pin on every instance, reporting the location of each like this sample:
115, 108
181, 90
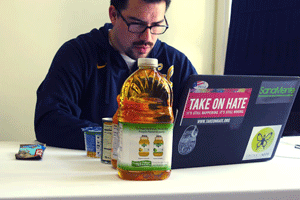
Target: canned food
93, 141
107, 140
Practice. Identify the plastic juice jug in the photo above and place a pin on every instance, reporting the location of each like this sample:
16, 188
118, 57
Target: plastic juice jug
145, 111
115, 139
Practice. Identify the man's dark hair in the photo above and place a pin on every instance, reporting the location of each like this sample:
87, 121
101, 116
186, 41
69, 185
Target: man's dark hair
122, 4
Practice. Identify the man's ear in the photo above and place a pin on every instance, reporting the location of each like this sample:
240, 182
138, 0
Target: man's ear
112, 14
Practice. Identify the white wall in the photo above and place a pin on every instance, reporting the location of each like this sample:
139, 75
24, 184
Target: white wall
191, 31
31, 31
222, 19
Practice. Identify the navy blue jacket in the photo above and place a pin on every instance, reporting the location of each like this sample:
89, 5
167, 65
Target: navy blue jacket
83, 81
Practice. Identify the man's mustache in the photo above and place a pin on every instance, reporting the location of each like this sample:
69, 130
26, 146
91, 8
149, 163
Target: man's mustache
140, 43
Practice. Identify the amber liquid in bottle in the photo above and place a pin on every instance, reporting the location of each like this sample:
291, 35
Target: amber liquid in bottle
114, 150
91, 154
146, 97
115, 139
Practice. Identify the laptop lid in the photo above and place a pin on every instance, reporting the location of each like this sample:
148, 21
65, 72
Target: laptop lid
229, 119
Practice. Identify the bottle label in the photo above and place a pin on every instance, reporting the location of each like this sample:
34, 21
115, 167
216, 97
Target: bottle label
140, 150
158, 149
107, 139
115, 142
93, 142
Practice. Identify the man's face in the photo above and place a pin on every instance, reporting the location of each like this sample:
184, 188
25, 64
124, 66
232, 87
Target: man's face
138, 45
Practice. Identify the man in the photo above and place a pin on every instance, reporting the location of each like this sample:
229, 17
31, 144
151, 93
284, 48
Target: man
87, 72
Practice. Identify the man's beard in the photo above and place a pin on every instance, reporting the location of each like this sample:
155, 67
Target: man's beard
130, 53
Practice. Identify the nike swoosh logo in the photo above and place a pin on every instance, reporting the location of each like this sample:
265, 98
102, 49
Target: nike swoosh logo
101, 66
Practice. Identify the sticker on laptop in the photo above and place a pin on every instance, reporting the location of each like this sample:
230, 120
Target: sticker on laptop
200, 85
272, 92
188, 140
262, 142
215, 106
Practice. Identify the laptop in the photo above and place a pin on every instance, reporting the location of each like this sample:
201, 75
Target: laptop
231, 119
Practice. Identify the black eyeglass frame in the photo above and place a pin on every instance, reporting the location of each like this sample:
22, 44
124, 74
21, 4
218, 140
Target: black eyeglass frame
146, 27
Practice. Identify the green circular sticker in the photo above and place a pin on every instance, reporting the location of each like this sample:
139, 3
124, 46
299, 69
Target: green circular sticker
263, 139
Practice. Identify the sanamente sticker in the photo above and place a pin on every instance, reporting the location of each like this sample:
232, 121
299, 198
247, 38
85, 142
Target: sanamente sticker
272, 92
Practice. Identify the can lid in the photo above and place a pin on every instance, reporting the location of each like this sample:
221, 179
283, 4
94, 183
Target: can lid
92, 129
107, 119
153, 62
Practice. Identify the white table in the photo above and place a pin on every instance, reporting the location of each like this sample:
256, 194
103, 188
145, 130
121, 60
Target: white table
64, 173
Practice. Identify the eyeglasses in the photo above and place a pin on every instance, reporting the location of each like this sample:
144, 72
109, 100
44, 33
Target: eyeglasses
141, 28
